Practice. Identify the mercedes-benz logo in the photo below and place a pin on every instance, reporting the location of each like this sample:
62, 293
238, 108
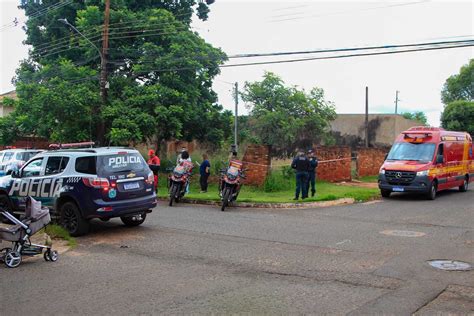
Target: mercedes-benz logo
398, 175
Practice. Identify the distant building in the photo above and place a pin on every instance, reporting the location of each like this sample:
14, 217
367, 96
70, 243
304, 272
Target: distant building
349, 129
5, 110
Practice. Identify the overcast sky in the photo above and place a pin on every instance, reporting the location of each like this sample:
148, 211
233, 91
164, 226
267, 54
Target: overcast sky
274, 26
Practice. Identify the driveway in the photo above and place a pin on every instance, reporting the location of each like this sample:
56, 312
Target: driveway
359, 259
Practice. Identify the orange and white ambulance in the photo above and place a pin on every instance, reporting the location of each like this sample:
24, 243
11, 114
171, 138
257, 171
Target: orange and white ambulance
428, 160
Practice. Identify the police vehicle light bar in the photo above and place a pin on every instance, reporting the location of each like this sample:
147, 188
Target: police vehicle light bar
72, 145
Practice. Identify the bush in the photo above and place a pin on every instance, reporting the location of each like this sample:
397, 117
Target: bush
280, 181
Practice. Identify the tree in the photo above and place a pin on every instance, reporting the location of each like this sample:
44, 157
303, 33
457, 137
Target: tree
460, 86
459, 116
416, 116
160, 73
287, 118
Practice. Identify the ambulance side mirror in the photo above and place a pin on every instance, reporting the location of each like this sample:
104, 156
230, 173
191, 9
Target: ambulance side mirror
439, 159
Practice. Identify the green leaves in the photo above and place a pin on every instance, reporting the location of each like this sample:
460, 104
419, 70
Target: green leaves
458, 95
159, 72
287, 118
459, 116
460, 86
416, 116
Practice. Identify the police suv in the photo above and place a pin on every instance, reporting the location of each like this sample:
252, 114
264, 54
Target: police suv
81, 184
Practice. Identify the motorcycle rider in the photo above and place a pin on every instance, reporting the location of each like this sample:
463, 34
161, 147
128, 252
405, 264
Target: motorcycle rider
186, 162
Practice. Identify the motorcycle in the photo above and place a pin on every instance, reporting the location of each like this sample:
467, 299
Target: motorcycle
178, 182
229, 185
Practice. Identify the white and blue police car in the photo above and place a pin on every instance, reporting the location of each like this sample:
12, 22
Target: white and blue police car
84, 183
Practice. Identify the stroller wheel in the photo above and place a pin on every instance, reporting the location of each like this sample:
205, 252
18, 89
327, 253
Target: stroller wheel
3, 252
46, 256
53, 255
12, 259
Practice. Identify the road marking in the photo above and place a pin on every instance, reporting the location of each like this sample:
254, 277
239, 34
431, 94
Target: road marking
402, 233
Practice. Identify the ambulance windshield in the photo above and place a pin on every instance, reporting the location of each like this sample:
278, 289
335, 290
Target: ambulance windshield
413, 152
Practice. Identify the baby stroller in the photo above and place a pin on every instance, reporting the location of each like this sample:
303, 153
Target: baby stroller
36, 217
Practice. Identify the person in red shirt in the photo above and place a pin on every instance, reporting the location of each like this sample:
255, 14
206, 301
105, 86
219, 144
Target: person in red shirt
154, 164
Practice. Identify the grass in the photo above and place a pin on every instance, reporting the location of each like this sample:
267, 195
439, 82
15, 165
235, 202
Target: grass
56, 231
369, 179
279, 188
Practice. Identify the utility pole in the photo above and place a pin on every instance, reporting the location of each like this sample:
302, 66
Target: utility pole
396, 102
103, 74
366, 116
236, 93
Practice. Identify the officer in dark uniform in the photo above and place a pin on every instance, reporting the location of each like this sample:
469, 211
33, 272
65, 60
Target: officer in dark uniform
301, 165
313, 163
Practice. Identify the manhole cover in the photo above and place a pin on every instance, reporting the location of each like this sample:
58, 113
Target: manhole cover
450, 265
402, 233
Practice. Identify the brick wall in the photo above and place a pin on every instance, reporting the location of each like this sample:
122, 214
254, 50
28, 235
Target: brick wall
369, 161
333, 171
257, 162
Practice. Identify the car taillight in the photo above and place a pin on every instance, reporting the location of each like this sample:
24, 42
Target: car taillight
151, 178
98, 183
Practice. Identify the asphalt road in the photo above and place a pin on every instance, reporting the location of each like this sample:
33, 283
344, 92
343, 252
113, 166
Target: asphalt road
197, 259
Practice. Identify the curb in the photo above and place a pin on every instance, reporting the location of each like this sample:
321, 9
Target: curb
344, 201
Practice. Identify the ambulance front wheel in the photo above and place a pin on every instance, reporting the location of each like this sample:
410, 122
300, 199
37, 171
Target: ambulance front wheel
385, 193
432, 190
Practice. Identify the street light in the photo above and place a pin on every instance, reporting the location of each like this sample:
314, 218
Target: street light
65, 21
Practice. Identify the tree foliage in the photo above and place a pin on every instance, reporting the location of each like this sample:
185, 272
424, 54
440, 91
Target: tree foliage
459, 116
416, 116
160, 74
287, 118
460, 86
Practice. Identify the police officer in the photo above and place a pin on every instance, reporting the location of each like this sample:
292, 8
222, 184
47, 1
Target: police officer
313, 164
301, 165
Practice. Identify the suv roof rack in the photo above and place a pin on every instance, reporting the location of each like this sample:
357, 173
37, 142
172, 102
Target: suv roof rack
71, 145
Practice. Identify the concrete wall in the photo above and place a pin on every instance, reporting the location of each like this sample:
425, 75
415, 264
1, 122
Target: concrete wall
349, 129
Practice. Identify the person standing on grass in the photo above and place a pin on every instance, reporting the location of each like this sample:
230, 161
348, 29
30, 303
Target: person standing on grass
205, 171
301, 165
154, 164
313, 164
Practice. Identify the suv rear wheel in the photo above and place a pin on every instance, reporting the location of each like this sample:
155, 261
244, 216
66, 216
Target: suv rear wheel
134, 220
72, 220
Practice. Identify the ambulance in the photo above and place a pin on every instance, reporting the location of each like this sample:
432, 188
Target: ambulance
427, 160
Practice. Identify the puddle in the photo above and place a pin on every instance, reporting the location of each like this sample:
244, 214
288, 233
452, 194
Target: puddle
402, 233
450, 265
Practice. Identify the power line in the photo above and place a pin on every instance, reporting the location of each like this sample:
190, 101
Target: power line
350, 11
37, 14
345, 49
